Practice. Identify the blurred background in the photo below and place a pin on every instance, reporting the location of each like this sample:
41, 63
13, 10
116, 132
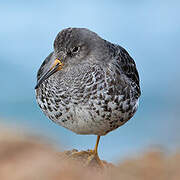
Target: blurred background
148, 30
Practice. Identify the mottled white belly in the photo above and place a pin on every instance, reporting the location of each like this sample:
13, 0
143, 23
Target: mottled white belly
84, 121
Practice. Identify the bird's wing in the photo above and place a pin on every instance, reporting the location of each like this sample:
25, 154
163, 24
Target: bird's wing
124, 66
43, 66
128, 65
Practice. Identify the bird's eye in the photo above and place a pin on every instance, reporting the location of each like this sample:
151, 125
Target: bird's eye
75, 49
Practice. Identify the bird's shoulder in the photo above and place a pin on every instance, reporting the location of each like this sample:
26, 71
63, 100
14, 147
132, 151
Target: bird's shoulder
123, 64
43, 66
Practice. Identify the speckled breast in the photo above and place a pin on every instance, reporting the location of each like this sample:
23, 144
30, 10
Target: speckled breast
87, 100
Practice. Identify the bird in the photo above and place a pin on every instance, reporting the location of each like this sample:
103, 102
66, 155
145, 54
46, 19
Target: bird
88, 84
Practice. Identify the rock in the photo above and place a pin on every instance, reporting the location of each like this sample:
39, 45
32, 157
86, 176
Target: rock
82, 158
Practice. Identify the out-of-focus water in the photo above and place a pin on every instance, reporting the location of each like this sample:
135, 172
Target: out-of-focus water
149, 30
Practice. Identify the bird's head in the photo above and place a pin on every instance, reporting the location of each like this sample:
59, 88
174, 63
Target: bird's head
73, 46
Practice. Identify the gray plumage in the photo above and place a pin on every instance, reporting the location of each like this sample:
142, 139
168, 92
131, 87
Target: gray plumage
97, 89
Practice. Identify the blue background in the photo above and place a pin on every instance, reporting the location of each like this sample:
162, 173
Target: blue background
149, 30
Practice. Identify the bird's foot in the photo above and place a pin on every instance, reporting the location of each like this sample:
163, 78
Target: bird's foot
94, 159
89, 158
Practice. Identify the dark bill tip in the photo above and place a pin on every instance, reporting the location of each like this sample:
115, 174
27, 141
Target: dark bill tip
47, 75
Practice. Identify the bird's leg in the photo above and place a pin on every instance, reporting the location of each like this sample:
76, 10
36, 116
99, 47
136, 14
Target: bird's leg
95, 151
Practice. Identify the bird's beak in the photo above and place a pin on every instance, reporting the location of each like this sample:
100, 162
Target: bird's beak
57, 65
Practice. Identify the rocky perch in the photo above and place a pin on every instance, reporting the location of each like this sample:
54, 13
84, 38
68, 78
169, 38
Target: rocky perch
82, 158
32, 158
